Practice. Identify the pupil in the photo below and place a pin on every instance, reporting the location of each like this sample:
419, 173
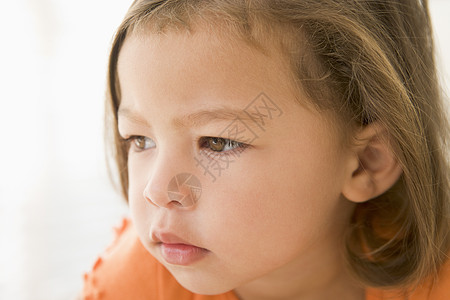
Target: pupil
217, 144
140, 142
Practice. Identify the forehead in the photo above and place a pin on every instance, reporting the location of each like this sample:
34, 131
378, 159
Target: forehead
196, 69
201, 47
165, 77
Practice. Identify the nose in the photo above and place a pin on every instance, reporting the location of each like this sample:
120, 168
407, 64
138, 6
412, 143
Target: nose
183, 190
170, 184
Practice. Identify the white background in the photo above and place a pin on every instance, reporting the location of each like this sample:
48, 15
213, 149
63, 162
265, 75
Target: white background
57, 206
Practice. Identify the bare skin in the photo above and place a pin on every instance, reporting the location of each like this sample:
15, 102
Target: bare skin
273, 222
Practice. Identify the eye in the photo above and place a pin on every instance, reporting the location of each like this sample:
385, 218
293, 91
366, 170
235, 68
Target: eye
221, 146
140, 143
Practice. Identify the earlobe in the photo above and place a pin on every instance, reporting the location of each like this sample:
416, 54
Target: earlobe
373, 167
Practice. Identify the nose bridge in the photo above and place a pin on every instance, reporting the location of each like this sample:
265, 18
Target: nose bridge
169, 183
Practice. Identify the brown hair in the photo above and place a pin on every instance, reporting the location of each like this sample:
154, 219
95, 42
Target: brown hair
369, 61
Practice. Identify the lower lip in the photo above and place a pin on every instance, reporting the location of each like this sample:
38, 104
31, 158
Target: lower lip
182, 254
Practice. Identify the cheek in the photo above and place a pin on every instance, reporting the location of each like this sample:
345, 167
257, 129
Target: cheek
241, 219
140, 209
137, 178
271, 211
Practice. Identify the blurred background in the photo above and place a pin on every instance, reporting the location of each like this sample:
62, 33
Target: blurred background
57, 206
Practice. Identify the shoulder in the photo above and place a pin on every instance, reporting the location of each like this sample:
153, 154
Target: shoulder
123, 271
435, 289
126, 270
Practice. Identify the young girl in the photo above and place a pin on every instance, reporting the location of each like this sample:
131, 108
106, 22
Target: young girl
277, 150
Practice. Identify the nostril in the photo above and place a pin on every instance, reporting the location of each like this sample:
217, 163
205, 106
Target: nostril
175, 203
184, 188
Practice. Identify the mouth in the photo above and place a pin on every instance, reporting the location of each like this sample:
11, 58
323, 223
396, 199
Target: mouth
176, 251
182, 254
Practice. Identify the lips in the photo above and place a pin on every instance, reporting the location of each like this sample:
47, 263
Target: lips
177, 251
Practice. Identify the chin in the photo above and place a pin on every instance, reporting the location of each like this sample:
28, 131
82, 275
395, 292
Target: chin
203, 284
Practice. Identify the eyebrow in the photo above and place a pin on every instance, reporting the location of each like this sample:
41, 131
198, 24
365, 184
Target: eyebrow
196, 119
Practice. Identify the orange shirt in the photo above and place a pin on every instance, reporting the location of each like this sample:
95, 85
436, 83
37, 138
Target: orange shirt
127, 271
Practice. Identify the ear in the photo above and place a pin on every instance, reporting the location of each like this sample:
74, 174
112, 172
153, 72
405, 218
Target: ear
373, 167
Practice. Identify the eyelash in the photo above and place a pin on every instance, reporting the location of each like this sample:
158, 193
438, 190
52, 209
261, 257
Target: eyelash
130, 142
239, 146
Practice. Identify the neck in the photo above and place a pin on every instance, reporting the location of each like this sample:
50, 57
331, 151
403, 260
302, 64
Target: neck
316, 275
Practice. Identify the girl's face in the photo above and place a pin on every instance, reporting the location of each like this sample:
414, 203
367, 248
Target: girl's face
273, 210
